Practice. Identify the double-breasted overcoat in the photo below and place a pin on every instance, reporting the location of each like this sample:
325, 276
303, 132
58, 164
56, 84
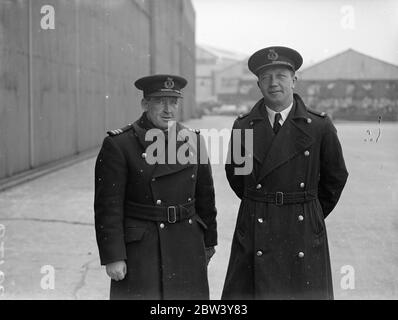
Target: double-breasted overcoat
165, 256
280, 248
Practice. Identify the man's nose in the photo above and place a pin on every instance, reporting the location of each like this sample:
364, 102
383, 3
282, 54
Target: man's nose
272, 81
166, 106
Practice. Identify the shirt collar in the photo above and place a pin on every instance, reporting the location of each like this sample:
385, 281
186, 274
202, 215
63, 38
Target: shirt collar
284, 114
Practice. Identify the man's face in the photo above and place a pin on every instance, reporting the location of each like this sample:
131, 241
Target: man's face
161, 110
276, 85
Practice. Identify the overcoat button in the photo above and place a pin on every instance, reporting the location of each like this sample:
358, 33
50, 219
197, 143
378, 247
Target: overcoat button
161, 225
259, 253
193, 176
301, 254
153, 179
260, 220
300, 218
251, 123
306, 153
302, 185
158, 202
309, 120
143, 155
258, 186
189, 199
190, 221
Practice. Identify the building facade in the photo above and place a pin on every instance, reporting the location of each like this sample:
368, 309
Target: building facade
208, 61
237, 85
351, 86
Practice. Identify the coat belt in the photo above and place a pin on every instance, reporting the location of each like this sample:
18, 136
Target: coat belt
281, 198
170, 214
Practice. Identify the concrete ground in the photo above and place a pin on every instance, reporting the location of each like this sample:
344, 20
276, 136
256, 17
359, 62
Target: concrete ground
49, 221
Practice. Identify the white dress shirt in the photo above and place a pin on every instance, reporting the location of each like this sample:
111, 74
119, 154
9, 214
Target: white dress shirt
284, 113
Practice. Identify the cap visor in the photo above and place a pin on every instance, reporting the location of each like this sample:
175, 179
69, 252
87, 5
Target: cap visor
275, 64
164, 94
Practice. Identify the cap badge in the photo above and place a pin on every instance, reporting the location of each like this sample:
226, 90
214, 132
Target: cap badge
272, 55
169, 83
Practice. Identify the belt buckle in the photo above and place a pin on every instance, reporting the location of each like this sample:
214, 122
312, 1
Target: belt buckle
279, 198
172, 209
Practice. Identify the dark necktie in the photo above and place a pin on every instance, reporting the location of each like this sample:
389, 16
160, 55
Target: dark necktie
277, 125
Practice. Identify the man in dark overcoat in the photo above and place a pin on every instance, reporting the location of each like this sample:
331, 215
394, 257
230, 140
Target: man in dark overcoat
155, 215
280, 248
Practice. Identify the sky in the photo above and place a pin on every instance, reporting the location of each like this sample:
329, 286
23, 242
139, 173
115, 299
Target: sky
317, 29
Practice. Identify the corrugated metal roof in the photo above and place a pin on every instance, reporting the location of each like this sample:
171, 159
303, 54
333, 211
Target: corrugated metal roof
350, 65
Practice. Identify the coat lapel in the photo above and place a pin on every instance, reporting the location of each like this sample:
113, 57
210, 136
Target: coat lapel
169, 167
176, 137
262, 131
262, 135
139, 133
294, 137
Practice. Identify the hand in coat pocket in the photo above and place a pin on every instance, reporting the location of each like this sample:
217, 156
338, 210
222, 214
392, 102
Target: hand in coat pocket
116, 270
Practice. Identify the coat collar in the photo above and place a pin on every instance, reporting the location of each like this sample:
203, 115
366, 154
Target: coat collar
294, 137
139, 131
263, 134
301, 110
184, 139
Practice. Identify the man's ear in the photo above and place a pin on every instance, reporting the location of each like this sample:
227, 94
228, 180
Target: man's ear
294, 81
144, 104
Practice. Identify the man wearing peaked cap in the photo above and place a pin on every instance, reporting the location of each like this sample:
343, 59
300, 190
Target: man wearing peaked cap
280, 247
161, 85
274, 56
155, 221
159, 90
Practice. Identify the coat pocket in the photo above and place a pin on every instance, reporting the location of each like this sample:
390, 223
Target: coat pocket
201, 223
316, 219
132, 234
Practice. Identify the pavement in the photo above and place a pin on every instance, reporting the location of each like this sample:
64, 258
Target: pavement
47, 226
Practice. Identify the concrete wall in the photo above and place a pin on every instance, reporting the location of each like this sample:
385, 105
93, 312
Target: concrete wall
61, 89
